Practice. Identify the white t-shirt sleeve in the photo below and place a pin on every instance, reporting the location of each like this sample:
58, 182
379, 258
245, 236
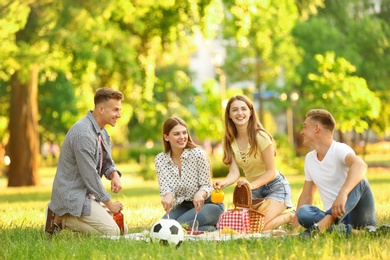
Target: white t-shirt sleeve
330, 173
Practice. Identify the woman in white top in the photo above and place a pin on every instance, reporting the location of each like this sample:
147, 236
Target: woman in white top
247, 145
184, 177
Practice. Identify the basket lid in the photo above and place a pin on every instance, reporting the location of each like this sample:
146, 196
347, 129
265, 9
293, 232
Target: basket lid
242, 196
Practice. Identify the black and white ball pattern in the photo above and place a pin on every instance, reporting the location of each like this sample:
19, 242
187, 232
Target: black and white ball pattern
167, 232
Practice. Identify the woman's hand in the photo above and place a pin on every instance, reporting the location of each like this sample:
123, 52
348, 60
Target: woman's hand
243, 182
167, 202
199, 200
220, 184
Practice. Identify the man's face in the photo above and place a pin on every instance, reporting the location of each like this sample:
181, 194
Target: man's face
308, 131
111, 111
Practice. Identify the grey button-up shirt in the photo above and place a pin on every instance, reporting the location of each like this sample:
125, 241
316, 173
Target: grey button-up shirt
77, 173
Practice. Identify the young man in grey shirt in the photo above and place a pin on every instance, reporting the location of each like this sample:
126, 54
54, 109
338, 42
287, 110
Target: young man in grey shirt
79, 201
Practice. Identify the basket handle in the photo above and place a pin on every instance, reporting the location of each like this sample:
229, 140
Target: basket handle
242, 196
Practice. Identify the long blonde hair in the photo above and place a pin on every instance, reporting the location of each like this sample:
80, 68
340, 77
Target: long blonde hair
254, 127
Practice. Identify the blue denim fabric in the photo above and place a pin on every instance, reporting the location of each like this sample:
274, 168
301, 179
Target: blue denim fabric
278, 189
359, 209
208, 215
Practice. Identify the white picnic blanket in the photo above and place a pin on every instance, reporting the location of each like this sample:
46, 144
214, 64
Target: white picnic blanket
211, 236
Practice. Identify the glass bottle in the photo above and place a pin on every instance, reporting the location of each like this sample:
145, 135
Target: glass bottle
118, 217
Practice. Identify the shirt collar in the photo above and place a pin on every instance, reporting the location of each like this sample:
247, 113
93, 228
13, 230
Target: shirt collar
94, 122
184, 155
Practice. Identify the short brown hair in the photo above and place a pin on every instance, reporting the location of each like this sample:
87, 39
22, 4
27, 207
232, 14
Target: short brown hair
105, 94
324, 117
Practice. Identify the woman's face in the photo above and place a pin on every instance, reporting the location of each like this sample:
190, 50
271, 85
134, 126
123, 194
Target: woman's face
177, 137
239, 112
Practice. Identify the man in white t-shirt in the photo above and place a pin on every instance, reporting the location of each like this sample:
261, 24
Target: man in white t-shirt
339, 175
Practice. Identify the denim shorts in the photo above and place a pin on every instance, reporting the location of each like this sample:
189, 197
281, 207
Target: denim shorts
278, 189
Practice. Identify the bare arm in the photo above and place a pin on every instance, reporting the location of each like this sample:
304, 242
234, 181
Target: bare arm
357, 171
232, 177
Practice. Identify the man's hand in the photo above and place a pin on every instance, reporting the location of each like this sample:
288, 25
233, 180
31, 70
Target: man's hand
116, 185
114, 207
338, 207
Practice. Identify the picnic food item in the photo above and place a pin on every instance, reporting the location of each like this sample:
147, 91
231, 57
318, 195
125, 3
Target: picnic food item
263, 206
217, 196
229, 231
189, 231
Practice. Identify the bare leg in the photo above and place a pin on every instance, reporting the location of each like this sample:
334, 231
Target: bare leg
274, 216
325, 223
282, 219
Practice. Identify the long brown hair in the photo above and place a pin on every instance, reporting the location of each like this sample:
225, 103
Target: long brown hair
167, 127
254, 127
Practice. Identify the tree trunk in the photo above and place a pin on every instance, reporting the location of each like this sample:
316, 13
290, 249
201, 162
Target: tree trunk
23, 129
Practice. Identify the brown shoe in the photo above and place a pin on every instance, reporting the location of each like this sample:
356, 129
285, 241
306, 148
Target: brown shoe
50, 226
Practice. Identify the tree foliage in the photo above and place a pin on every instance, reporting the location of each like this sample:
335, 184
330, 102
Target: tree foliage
259, 43
331, 52
347, 96
354, 30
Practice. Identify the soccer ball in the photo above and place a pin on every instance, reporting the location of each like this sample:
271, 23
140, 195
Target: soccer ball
167, 231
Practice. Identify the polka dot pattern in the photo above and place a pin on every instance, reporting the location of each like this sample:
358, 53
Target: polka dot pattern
195, 175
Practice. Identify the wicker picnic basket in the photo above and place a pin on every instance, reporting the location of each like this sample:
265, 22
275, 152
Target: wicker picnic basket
242, 198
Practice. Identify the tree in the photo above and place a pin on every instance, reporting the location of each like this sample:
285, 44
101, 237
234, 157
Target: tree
348, 97
259, 42
13, 17
366, 31
23, 125
355, 30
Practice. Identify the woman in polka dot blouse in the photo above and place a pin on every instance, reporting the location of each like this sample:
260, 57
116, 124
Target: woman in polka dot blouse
184, 178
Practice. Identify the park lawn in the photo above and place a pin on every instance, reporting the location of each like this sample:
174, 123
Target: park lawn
22, 236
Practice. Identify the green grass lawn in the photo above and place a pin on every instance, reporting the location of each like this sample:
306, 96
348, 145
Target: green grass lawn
22, 236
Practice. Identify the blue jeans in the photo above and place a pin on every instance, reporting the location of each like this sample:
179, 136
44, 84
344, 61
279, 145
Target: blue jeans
278, 189
207, 218
359, 209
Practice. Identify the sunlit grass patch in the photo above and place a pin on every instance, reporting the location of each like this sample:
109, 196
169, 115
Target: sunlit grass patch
22, 220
